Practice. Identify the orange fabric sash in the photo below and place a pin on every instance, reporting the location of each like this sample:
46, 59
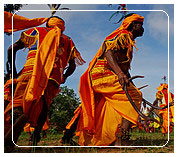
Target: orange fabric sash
28, 128
42, 68
20, 22
8, 89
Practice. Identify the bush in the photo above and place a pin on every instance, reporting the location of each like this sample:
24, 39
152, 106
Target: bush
63, 106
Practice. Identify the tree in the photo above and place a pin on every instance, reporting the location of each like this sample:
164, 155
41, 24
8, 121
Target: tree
55, 7
63, 106
12, 7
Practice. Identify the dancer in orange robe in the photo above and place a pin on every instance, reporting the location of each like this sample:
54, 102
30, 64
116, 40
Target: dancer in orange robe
104, 105
49, 53
162, 96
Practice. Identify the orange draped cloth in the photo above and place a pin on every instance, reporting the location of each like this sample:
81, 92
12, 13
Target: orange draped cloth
7, 99
8, 89
31, 87
49, 54
163, 95
28, 128
111, 105
42, 68
20, 22
103, 101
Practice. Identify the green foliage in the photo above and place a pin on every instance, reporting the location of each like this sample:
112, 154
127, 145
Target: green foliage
63, 106
53, 130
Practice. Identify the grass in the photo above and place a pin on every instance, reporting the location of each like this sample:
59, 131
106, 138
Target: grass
137, 139
151, 139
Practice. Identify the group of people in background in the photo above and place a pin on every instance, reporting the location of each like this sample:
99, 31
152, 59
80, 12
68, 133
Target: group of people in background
163, 98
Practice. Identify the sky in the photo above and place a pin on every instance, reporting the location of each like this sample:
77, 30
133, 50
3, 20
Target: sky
89, 26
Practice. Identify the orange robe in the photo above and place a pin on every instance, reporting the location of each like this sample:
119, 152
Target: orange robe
20, 22
27, 127
7, 99
49, 53
8, 89
111, 105
103, 101
162, 95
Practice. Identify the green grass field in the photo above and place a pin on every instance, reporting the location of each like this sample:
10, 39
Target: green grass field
137, 139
